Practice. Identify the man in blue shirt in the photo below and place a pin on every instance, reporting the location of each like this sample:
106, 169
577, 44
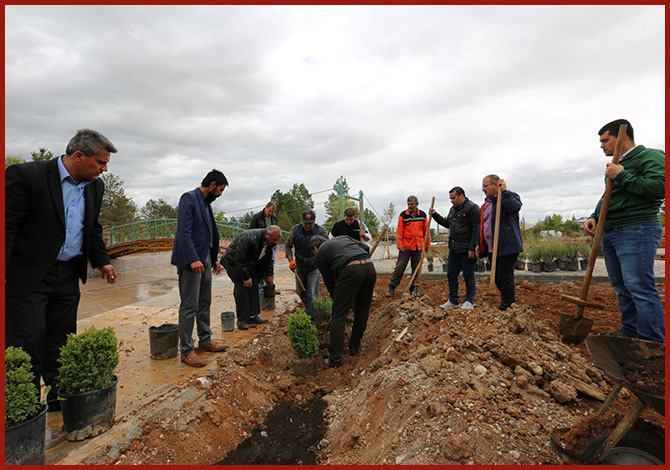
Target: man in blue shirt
52, 232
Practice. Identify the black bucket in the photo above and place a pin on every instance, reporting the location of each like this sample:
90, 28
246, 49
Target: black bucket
24, 443
227, 321
88, 414
164, 340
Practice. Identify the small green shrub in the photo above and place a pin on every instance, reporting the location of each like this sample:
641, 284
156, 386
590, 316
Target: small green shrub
430, 257
88, 361
21, 394
302, 334
323, 307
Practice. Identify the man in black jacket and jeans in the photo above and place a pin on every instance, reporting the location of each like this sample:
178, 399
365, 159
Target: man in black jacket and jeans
350, 277
246, 260
263, 219
463, 224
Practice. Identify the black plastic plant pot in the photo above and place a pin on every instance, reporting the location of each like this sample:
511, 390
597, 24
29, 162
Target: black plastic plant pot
24, 443
88, 414
163, 340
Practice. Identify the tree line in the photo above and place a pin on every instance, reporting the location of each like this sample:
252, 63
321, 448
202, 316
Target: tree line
119, 209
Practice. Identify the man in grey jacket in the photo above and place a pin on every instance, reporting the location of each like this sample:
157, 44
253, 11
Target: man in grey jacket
349, 276
463, 224
246, 260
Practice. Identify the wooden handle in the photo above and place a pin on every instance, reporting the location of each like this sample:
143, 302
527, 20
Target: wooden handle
496, 232
360, 222
298, 278
417, 271
381, 235
601, 219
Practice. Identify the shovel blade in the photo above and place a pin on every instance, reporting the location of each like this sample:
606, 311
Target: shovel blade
573, 330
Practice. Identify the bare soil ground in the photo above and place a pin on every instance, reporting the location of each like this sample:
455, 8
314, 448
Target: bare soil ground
458, 387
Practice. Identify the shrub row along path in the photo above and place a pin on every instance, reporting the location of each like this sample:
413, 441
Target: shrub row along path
461, 387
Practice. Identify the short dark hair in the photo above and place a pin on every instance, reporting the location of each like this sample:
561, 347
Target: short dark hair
349, 212
316, 241
89, 142
214, 176
270, 204
613, 128
413, 198
458, 190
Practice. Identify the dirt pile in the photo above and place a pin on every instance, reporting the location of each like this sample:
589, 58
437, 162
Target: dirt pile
429, 387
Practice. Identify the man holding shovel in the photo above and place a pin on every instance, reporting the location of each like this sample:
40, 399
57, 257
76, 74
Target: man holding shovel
632, 232
509, 234
410, 233
463, 224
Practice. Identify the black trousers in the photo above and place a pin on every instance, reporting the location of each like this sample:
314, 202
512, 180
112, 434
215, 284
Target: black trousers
505, 279
41, 321
403, 258
354, 286
247, 303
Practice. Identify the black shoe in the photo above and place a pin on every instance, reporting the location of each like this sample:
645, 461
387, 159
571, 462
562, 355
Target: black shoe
257, 320
277, 292
330, 363
242, 325
615, 334
390, 292
354, 350
414, 291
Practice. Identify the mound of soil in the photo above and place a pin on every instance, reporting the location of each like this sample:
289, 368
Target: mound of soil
429, 386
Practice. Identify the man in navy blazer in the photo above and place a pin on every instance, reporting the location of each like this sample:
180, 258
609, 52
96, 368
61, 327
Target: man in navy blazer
195, 252
52, 232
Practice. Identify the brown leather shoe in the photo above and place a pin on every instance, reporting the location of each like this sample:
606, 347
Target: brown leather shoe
193, 360
212, 347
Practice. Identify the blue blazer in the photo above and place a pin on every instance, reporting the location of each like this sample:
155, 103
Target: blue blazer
194, 235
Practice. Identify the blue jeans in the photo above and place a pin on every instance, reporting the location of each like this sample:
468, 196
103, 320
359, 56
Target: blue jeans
629, 256
311, 281
456, 263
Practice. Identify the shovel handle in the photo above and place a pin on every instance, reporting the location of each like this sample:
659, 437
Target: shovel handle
381, 235
417, 271
496, 233
298, 278
603, 214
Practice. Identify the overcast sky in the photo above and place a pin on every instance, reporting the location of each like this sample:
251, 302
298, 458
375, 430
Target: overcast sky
399, 99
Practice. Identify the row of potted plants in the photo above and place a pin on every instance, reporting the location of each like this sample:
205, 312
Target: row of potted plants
555, 253
86, 393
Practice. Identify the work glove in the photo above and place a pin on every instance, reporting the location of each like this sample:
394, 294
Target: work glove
291, 265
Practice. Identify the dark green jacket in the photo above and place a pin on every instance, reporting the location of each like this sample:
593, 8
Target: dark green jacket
638, 190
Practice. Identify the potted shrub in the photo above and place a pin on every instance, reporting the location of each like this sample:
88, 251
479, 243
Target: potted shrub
25, 416
583, 252
520, 262
430, 257
534, 254
323, 307
86, 382
444, 258
304, 342
571, 255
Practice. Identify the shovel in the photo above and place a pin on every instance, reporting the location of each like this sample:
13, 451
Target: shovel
417, 271
496, 234
573, 330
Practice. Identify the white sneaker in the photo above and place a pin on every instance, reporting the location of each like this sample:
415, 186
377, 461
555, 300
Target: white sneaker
467, 305
448, 304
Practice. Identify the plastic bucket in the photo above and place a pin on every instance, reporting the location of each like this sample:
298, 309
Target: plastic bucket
24, 443
227, 321
164, 340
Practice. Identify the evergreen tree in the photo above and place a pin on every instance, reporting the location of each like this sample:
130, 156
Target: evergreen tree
42, 154
158, 210
292, 204
13, 160
117, 208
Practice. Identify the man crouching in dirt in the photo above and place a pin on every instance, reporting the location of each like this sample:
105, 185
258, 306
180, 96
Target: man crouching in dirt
350, 277
246, 260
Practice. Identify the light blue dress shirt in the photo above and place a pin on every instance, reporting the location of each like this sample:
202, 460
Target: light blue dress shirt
75, 206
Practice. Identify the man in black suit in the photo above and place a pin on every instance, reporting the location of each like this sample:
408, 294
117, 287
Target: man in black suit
51, 233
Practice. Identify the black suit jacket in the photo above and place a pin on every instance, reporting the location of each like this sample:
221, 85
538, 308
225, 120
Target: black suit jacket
35, 225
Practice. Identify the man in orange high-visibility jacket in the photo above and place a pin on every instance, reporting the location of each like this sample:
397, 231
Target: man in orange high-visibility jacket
412, 226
